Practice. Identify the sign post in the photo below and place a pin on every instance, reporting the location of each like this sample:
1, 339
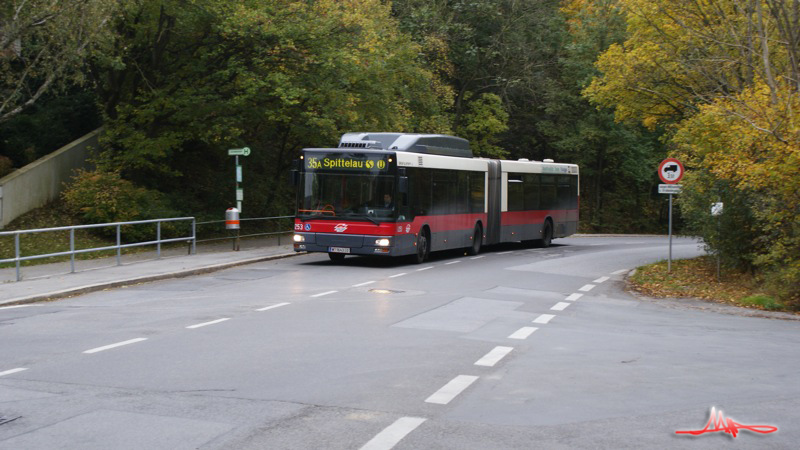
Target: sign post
237, 152
670, 171
716, 211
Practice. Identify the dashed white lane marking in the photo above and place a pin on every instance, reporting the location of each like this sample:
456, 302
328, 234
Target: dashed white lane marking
478, 257
272, 307
450, 390
587, 287
600, 280
560, 306
544, 318
363, 284
118, 344
425, 268
573, 297
9, 372
324, 293
205, 324
393, 434
523, 333
397, 275
619, 272
494, 356
15, 306
451, 262
505, 253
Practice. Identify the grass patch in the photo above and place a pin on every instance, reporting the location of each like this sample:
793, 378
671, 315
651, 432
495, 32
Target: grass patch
697, 278
762, 302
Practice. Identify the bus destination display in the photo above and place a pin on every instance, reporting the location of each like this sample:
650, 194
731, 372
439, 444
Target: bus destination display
345, 162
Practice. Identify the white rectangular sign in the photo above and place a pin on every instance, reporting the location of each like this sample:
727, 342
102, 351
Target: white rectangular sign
669, 188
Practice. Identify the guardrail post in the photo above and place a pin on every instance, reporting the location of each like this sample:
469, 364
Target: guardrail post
194, 236
119, 249
72, 250
16, 254
158, 239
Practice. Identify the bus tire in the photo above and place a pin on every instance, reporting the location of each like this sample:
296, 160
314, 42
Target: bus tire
423, 247
336, 257
547, 235
477, 240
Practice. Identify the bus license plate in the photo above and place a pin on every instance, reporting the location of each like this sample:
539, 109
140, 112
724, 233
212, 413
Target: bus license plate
339, 250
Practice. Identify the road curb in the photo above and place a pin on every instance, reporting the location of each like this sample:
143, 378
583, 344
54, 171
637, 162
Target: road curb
55, 295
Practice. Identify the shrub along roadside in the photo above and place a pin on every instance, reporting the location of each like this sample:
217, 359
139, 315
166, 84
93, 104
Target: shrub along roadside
697, 278
105, 197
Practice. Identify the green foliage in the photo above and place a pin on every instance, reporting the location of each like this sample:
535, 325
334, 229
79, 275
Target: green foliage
730, 235
484, 120
275, 76
44, 45
104, 197
763, 302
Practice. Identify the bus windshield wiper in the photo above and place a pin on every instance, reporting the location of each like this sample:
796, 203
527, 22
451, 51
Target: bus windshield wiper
365, 217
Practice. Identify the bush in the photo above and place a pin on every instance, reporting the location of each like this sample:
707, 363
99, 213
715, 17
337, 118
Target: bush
105, 197
6, 166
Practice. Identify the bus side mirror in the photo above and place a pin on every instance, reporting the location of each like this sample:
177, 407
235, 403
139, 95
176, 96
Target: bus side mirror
402, 185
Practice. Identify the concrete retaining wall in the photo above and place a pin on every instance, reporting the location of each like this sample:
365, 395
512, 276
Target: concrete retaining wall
42, 180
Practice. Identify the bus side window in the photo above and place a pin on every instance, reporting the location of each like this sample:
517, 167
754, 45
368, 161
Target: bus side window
549, 196
445, 183
515, 192
477, 189
419, 191
564, 192
531, 182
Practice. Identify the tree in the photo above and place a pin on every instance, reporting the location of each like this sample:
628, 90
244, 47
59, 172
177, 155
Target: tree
184, 81
723, 75
617, 160
44, 45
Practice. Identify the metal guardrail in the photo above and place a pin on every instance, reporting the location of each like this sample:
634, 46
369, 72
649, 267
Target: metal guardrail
72, 252
236, 233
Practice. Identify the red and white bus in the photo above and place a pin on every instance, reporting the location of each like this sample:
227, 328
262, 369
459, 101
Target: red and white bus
395, 194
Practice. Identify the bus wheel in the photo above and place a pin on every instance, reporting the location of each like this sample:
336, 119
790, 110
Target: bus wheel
336, 257
423, 247
477, 239
547, 235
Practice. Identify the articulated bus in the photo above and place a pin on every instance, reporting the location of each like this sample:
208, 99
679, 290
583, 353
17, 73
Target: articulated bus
395, 194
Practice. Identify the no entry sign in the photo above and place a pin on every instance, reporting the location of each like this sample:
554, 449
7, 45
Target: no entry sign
670, 171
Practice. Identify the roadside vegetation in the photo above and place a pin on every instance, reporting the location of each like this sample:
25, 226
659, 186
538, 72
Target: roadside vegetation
697, 278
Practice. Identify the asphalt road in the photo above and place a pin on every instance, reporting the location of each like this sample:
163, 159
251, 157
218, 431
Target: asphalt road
516, 348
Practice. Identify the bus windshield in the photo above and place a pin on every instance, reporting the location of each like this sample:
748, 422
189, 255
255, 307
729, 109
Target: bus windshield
356, 196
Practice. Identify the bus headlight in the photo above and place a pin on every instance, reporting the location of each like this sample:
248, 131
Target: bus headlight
299, 238
383, 242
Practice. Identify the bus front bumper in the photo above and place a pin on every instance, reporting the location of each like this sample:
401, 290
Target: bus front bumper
354, 244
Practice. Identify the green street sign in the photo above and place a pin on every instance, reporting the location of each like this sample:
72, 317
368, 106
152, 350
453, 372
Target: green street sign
239, 151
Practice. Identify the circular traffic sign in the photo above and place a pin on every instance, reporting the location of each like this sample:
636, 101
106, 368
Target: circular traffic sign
670, 171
